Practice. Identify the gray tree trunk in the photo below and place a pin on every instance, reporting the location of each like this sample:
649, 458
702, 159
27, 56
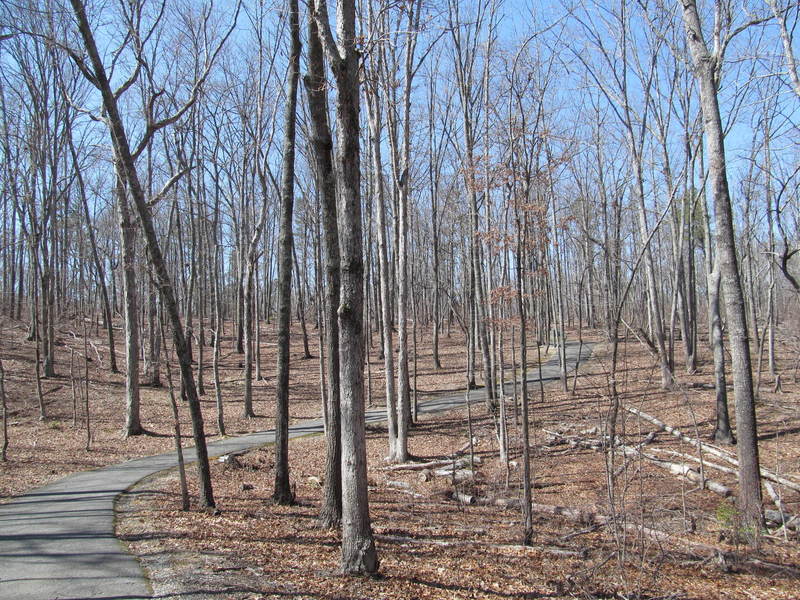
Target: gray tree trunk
124, 157
282, 493
322, 144
374, 118
133, 424
359, 554
705, 68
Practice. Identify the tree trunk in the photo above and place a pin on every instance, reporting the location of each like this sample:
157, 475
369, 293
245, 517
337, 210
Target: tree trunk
127, 167
133, 424
322, 144
705, 65
527, 518
358, 546
282, 494
374, 118
247, 334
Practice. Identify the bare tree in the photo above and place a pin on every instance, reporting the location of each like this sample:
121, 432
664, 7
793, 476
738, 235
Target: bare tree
95, 72
465, 36
282, 493
707, 65
322, 145
358, 546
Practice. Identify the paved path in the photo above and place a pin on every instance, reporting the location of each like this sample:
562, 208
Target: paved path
57, 542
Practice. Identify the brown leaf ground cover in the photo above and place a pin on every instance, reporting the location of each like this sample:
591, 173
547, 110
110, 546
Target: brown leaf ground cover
41, 451
432, 546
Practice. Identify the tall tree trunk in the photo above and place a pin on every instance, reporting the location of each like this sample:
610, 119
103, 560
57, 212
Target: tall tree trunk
705, 68
527, 520
322, 144
247, 331
282, 494
374, 118
133, 424
358, 546
127, 167
153, 364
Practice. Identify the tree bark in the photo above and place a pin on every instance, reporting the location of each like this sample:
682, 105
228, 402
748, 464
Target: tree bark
359, 554
322, 144
133, 424
705, 67
282, 493
374, 118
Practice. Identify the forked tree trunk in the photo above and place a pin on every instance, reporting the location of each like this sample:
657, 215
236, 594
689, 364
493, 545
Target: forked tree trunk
358, 546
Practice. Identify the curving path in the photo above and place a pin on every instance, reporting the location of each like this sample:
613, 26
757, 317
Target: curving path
57, 542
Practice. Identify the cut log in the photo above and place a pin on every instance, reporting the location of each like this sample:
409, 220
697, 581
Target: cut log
462, 498
718, 452
399, 484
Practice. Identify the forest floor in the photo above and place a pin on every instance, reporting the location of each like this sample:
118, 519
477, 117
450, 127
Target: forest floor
43, 450
671, 538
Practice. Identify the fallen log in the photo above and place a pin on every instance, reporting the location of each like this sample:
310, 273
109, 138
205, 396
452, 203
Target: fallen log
502, 502
466, 446
433, 464
765, 473
706, 464
782, 515
462, 498
682, 470
649, 438
781, 518
399, 484
590, 516
457, 476
554, 550
776, 499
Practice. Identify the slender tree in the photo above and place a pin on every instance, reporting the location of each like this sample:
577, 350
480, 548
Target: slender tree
707, 67
282, 493
322, 145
